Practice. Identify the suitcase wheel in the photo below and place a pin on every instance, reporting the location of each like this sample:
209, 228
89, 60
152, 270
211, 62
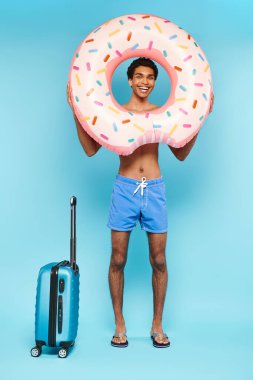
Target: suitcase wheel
63, 352
36, 351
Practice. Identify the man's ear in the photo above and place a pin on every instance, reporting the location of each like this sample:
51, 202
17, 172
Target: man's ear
130, 82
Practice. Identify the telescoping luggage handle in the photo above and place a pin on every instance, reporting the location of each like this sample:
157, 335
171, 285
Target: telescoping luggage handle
73, 233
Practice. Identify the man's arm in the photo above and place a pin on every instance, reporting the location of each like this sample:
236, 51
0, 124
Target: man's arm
182, 153
89, 145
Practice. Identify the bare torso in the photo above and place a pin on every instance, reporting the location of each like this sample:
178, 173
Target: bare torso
143, 162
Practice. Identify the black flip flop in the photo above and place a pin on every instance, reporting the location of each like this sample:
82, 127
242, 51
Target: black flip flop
156, 344
119, 335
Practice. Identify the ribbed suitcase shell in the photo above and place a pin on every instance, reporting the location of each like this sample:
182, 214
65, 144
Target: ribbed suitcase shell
70, 299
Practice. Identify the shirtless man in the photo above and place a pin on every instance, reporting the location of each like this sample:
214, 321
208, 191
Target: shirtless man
142, 163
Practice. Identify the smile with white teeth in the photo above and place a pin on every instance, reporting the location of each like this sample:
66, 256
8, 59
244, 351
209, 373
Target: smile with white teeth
143, 88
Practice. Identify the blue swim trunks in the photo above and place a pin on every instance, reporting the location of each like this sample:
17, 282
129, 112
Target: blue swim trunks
143, 201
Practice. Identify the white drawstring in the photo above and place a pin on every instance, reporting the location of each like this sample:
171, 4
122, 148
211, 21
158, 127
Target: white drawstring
141, 185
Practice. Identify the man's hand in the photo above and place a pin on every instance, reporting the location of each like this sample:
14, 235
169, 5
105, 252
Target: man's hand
211, 102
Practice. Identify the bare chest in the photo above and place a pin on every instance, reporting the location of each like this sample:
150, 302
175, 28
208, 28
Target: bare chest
141, 163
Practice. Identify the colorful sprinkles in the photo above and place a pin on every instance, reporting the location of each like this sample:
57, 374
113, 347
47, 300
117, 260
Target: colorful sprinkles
139, 128
129, 36
134, 47
98, 103
150, 45
183, 88
90, 92
115, 127
89, 79
172, 129
187, 58
158, 27
180, 99
183, 111
113, 109
106, 57
78, 80
114, 32
201, 57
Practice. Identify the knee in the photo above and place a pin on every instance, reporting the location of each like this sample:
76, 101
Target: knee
118, 260
158, 262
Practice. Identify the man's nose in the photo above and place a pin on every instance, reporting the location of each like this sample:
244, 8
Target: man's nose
144, 80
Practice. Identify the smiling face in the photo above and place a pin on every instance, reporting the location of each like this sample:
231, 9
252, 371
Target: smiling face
143, 81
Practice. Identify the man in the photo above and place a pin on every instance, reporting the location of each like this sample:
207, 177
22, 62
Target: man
145, 202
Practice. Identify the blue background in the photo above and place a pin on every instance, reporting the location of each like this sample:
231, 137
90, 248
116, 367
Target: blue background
209, 309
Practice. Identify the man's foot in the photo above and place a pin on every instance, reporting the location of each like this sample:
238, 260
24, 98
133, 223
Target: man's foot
159, 338
119, 339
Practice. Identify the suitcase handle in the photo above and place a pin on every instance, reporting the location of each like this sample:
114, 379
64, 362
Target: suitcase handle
73, 201
73, 232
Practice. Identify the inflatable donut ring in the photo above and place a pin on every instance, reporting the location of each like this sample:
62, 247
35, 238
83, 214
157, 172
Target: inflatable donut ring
140, 35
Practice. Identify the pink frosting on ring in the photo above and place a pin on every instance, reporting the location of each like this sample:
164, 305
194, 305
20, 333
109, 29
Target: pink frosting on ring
174, 123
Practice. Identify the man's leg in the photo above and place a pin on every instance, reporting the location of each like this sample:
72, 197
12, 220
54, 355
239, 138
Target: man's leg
157, 245
120, 240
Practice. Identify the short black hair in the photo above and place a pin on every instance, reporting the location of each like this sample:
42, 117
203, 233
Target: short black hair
142, 61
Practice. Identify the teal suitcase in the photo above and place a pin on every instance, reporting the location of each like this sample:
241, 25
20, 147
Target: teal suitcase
57, 300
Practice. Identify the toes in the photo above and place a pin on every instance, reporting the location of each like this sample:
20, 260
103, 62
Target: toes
161, 340
119, 340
